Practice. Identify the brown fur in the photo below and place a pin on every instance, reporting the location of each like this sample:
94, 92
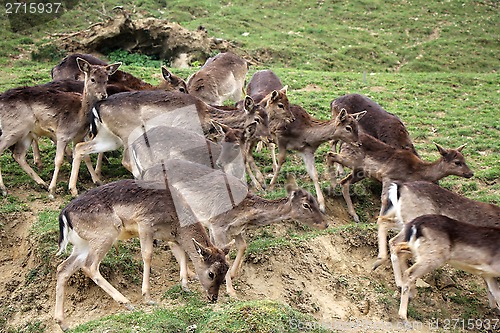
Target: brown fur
437, 239
125, 209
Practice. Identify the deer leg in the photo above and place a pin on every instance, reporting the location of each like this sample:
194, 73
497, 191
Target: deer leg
64, 271
98, 165
281, 160
383, 226
241, 245
308, 158
126, 160
37, 159
493, 292
419, 269
59, 159
258, 179
346, 182
272, 149
399, 262
180, 256
19, 155
146, 240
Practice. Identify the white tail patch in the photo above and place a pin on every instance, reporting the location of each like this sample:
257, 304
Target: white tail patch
64, 241
393, 197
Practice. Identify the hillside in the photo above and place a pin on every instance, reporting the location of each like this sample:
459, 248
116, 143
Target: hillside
434, 64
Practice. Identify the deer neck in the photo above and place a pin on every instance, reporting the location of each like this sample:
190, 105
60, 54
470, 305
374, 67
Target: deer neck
430, 171
321, 130
88, 101
185, 237
264, 212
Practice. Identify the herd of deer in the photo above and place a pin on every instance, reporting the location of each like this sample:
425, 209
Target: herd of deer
177, 138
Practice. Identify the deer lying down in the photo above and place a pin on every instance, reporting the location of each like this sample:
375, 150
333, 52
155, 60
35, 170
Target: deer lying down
255, 211
437, 239
379, 161
95, 220
412, 199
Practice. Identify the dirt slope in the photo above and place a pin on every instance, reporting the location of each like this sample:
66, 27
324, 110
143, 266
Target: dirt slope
328, 276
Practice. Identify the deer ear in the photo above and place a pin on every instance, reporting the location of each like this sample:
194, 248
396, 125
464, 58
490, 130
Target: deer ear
342, 115
167, 75
358, 115
249, 104
284, 89
441, 150
274, 95
83, 65
202, 251
111, 69
219, 127
461, 147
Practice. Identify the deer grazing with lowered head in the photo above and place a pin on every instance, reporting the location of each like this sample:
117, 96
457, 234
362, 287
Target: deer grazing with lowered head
26, 113
67, 69
254, 211
222, 77
379, 161
434, 240
95, 220
120, 119
409, 200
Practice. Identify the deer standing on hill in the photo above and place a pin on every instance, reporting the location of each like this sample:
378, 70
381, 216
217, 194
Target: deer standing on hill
26, 113
95, 220
410, 200
254, 211
221, 78
377, 160
434, 240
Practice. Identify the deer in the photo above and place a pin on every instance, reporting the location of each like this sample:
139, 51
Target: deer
68, 69
434, 240
221, 78
377, 122
255, 211
95, 220
409, 200
306, 133
120, 119
384, 163
266, 89
61, 116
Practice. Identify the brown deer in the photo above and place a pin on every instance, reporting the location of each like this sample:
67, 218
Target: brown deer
379, 161
305, 134
68, 69
61, 116
221, 78
254, 211
412, 199
120, 119
377, 122
266, 89
95, 220
434, 240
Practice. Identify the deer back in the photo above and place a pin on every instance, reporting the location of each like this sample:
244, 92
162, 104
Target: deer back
262, 83
377, 122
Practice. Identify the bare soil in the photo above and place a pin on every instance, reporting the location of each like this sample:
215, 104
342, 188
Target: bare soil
329, 277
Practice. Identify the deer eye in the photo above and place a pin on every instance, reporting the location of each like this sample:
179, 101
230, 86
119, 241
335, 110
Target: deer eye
182, 90
348, 128
257, 120
92, 80
211, 275
458, 163
281, 106
236, 147
306, 205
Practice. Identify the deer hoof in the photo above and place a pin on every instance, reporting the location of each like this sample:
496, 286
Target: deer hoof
129, 306
378, 263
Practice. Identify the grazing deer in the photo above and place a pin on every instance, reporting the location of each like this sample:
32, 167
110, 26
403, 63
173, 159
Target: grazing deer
68, 69
26, 113
305, 134
221, 78
437, 239
95, 220
254, 211
377, 160
412, 199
